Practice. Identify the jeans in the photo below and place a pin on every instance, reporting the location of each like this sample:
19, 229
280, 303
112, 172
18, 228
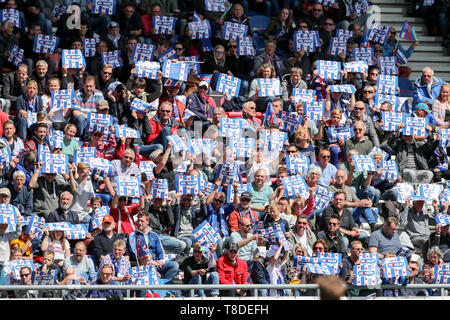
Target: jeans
189, 240
366, 193
417, 176
46, 24
146, 150
161, 138
211, 278
169, 269
390, 194
171, 244
363, 237
22, 125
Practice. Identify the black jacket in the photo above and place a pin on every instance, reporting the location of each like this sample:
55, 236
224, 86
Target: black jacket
102, 245
58, 216
161, 221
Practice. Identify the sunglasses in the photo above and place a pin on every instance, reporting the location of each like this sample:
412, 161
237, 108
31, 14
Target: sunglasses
166, 111
233, 46
325, 157
291, 151
369, 92
303, 27
22, 275
197, 251
178, 49
246, 225
317, 10
357, 129
359, 108
328, 24
303, 223
107, 73
219, 200
378, 51
334, 224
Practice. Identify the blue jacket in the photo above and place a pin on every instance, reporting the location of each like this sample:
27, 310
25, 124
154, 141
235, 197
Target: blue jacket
199, 215
421, 93
199, 106
139, 245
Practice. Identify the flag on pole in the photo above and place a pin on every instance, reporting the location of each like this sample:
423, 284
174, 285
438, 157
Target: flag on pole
408, 32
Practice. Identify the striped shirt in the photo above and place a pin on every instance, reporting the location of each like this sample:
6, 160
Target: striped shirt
81, 103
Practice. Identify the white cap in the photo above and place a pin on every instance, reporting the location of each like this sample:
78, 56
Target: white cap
203, 83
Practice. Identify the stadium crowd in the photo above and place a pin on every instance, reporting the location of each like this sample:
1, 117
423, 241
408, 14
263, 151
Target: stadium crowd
244, 186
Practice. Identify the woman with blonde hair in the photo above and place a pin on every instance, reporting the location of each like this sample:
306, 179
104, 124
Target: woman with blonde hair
56, 241
441, 106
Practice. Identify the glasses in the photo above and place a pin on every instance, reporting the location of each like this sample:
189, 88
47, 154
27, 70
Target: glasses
106, 274
219, 200
107, 73
203, 88
317, 10
166, 111
374, 73
299, 252
302, 223
358, 249
303, 26
244, 199
369, 92
358, 129
291, 151
246, 225
334, 224
359, 108
325, 157
23, 275
427, 76
178, 49
188, 199
328, 24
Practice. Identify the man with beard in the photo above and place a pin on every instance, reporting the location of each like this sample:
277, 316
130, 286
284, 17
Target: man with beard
63, 212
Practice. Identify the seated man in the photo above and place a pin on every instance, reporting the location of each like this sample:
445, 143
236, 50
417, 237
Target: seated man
232, 270
260, 192
333, 236
145, 248
385, 239
81, 263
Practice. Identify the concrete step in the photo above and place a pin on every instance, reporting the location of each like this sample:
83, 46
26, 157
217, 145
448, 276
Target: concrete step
428, 48
438, 67
420, 30
395, 18
422, 58
393, 10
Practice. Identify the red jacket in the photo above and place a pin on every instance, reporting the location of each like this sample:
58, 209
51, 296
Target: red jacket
229, 273
156, 127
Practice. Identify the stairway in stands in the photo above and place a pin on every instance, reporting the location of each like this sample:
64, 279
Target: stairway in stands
429, 52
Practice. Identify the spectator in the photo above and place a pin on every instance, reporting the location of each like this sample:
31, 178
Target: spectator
20, 194
63, 212
15, 84
81, 263
332, 236
328, 170
441, 105
386, 239
56, 242
103, 242
106, 278
291, 82
303, 235
197, 269
118, 259
242, 210
359, 142
152, 253
426, 87
246, 241
359, 114
232, 270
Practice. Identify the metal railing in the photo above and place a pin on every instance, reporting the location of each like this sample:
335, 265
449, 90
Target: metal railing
193, 287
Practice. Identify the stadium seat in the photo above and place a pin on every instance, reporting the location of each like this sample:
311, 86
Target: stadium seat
259, 23
258, 43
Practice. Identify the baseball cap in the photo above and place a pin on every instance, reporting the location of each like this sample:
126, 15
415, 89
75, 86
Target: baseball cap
203, 84
113, 24
102, 104
108, 219
5, 191
422, 106
230, 245
246, 195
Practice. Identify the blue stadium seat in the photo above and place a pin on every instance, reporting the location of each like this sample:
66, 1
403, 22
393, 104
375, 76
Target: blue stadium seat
406, 88
259, 43
259, 23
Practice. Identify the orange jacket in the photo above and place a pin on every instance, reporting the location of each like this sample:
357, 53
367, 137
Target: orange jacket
229, 273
